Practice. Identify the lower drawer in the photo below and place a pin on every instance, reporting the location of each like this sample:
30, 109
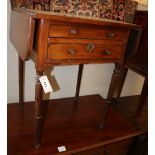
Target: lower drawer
87, 50
94, 151
117, 148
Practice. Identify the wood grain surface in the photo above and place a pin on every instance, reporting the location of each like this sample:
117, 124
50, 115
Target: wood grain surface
64, 123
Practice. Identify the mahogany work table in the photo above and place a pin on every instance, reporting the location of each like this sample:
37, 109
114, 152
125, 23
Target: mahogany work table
51, 39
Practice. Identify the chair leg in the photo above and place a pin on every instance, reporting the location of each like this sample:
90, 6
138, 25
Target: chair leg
78, 82
21, 83
38, 110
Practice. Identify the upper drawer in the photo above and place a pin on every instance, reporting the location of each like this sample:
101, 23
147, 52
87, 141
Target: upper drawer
69, 31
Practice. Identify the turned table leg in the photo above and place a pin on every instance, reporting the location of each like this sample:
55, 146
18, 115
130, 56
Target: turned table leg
38, 110
21, 83
113, 89
78, 82
112, 93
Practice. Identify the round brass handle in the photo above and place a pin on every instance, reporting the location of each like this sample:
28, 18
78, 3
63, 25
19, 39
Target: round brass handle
73, 31
111, 35
96, 153
106, 152
72, 51
90, 47
107, 52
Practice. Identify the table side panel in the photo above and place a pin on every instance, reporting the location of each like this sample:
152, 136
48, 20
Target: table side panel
22, 33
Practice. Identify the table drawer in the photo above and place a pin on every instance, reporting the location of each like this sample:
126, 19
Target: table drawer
118, 148
69, 31
90, 50
93, 151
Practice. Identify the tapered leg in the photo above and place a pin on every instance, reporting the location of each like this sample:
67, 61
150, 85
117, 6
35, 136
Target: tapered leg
105, 111
112, 92
78, 82
40, 64
38, 110
21, 83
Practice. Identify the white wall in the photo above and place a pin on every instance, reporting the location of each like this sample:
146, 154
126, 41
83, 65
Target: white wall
142, 7
96, 78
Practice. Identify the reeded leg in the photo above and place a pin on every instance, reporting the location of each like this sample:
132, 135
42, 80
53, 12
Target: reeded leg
21, 83
38, 110
78, 82
112, 92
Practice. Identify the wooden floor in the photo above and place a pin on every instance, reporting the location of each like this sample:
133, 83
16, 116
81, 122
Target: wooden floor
76, 127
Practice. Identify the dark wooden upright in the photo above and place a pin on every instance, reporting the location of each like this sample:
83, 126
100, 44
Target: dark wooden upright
51, 39
137, 58
78, 82
21, 68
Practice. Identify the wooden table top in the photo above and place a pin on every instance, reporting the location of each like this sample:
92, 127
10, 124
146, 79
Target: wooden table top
50, 15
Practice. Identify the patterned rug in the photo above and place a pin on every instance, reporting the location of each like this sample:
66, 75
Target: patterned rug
121, 10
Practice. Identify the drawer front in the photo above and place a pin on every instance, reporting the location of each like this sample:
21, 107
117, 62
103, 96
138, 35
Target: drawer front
93, 151
60, 51
87, 32
118, 148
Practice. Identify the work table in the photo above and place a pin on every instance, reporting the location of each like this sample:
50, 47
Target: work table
51, 39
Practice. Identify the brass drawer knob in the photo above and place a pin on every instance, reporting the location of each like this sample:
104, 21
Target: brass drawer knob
106, 152
96, 153
111, 35
107, 52
72, 51
73, 31
90, 47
